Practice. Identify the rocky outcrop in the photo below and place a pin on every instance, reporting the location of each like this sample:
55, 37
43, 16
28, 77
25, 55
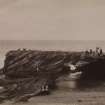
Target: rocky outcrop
29, 73
94, 70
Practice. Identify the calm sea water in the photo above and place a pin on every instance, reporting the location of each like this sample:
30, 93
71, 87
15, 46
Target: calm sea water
64, 45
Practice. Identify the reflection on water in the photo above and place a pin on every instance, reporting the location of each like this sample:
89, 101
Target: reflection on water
67, 82
72, 84
82, 85
73, 81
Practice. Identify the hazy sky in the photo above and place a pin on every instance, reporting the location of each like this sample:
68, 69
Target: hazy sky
52, 19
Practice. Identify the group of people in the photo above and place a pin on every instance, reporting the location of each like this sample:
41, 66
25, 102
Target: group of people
97, 52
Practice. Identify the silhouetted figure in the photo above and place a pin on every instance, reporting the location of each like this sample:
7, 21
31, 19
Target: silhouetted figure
91, 51
97, 51
24, 49
86, 52
101, 52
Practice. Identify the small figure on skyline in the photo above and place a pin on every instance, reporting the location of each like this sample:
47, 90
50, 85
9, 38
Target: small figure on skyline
101, 52
97, 51
86, 52
91, 52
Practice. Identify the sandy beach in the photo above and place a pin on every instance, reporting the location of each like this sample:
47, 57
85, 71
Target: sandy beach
60, 97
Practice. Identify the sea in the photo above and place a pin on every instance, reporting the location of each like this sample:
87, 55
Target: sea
59, 45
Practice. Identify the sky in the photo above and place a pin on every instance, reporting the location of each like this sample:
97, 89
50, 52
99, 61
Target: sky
52, 19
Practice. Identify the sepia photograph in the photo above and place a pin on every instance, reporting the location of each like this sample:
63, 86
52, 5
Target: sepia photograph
52, 52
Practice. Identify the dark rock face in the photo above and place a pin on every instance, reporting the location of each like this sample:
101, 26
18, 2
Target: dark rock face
30, 63
95, 70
